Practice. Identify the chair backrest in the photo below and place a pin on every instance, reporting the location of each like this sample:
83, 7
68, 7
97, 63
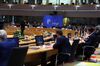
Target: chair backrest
14, 40
10, 42
74, 49
75, 45
39, 40
88, 49
6, 47
97, 41
98, 36
17, 56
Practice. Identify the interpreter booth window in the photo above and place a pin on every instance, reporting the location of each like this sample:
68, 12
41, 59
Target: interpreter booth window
58, 2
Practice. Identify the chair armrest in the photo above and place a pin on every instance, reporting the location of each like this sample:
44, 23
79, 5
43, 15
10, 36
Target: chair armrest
64, 53
88, 46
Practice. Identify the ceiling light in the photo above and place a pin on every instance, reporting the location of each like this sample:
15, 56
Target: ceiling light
97, 5
33, 6
55, 7
77, 6
10, 5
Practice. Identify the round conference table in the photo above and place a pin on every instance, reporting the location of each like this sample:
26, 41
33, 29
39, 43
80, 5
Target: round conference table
37, 54
30, 40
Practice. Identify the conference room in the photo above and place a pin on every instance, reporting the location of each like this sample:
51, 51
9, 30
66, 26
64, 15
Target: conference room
49, 33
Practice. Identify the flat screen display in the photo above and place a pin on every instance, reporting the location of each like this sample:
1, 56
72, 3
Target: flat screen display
39, 40
53, 21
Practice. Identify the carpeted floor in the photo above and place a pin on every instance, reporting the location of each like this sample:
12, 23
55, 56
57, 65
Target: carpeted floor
78, 63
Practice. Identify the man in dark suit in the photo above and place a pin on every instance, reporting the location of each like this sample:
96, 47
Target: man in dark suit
62, 43
5, 49
97, 39
91, 40
22, 26
63, 46
93, 37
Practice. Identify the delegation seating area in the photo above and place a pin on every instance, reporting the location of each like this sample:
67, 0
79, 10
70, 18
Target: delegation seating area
36, 31
34, 55
38, 55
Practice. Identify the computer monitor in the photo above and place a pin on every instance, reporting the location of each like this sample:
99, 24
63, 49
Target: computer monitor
39, 40
54, 37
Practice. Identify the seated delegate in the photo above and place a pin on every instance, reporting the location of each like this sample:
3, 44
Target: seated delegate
63, 45
91, 40
5, 46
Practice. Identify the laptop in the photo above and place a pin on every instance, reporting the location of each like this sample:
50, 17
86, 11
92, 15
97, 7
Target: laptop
39, 40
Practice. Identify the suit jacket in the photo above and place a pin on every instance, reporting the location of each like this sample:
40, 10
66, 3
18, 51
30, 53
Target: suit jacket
98, 36
62, 44
5, 50
91, 40
22, 25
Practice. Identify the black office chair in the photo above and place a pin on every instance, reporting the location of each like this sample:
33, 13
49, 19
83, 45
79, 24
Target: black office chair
65, 55
74, 48
17, 56
87, 51
70, 54
97, 41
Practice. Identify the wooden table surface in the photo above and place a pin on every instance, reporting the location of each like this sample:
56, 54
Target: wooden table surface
29, 41
34, 54
38, 49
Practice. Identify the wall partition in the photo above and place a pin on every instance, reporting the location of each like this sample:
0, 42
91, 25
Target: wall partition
45, 2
